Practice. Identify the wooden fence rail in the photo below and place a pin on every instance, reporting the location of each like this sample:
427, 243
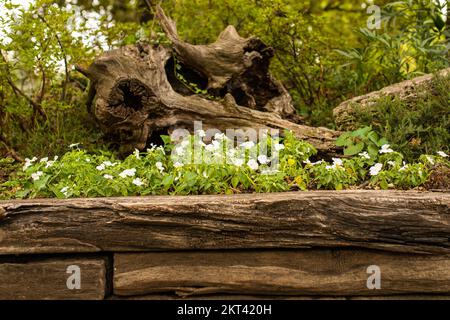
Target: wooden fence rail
285, 245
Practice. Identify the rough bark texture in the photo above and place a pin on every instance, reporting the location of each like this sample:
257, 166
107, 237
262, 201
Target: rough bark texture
387, 220
138, 96
408, 91
46, 279
291, 272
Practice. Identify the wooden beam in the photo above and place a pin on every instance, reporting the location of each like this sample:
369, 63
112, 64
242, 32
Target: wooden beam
47, 279
387, 220
290, 272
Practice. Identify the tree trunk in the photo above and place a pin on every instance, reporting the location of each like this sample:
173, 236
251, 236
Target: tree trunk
140, 95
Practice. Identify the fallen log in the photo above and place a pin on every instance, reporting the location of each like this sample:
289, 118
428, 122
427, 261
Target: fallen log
290, 272
139, 94
386, 220
408, 91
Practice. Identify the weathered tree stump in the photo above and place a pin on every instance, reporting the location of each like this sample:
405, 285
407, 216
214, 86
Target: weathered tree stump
139, 97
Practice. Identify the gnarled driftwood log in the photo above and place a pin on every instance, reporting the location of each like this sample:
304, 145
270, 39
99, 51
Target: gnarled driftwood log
139, 97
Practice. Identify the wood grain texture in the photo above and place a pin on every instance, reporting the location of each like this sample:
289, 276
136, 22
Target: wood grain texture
47, 279
290, 272
387, 220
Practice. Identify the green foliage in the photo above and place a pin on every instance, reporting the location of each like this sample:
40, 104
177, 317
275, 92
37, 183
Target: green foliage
413, 40
416, 127
223, 169
362, 139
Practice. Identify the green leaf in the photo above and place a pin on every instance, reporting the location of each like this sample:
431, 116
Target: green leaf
354, 149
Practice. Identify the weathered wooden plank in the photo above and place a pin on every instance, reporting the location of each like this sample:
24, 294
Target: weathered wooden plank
285, 272
388, 220
48, 279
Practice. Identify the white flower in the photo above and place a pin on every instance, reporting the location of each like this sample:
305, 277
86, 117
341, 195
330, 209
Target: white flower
210, 148
100, 167
201, 133
35, 176
88, 160
136, 154
391, 163
337, 162
55, 158
238, 162
109, 163
179, 150
65, 191
49, 164
108, 176
159, 166
248, 144
278, 146
74, 145
405, 166
263, 159
219, 136
44, 159
138, 182
364, 155
442, 154
177, 164
216, 144
253, 164
330, 167
185, 143
307, 161
375, 169
26, 165
128, 173
430, 159
385, 148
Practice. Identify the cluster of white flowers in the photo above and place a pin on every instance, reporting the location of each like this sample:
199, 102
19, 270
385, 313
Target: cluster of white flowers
442, 154
221, 150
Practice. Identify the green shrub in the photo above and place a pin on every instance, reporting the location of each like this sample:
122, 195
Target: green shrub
414, 127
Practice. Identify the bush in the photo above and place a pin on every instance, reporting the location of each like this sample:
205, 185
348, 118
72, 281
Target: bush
414, 127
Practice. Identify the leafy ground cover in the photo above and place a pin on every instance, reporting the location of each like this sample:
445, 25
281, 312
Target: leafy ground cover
219, 167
